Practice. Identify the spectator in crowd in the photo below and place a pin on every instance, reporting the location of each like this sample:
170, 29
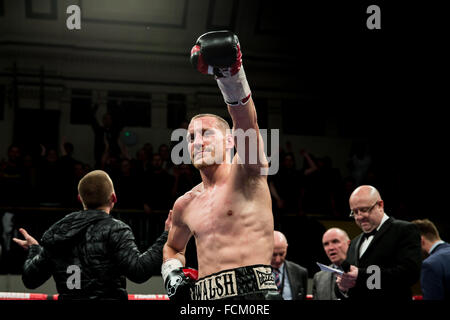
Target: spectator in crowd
290, 278
111, 164
67, 160
359, 162
67, 163
142, 161
164, 153
349, 186
148, 148
11, 259
391, 245
100, 248
79, 171
435, 273
30, 181
107, 133
343, 189
184, 179
12, 177
50, 178
128, 187
335, 243
286, 186
158, 186
184, 124
111, 160
322, 189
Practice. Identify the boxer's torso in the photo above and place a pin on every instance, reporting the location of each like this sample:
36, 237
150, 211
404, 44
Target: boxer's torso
231, 222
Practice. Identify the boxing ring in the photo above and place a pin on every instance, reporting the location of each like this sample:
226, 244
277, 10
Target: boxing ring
44, 296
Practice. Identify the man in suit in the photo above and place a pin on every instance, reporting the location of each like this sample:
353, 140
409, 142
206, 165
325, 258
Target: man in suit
384, 260
290, 278
435, 274
335, 243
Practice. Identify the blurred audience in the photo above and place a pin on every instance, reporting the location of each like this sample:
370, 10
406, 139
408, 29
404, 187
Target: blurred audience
12, 178
322, 188
359, 162
129, 186
185, 178
11, 259
50, 178
105, 134
164, 153
287, 187
27, 179
157, 187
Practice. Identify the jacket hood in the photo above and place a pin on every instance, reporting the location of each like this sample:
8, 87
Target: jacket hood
69, 227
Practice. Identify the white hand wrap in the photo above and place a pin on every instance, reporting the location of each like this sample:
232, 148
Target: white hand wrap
168, 266
235, 89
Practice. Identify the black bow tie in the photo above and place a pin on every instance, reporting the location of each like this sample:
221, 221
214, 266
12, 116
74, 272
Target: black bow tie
368, 234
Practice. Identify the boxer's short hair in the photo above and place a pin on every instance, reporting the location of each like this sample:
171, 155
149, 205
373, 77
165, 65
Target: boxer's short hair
95, 189
221, 122
427, 229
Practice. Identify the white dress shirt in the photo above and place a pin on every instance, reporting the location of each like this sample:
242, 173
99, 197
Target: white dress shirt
366, 242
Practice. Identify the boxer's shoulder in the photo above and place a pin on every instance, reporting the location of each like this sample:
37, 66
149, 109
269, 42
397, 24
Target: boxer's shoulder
182, 202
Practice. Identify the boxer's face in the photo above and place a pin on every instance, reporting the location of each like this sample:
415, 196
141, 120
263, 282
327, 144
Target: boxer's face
206, 142
335, 245
369, 210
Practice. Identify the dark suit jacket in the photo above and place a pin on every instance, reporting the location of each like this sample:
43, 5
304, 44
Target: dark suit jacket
298, 280
435, 276
396, 250
323, 286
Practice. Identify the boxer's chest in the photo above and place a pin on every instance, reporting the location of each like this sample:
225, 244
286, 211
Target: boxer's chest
215, 212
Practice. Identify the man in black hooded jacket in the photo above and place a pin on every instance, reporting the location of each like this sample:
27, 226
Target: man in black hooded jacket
91, 243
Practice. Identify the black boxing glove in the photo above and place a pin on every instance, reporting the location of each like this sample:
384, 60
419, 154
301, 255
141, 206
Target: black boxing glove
219, 53
178, 281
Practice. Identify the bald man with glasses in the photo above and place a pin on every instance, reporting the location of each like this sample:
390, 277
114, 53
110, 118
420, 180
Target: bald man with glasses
385, 258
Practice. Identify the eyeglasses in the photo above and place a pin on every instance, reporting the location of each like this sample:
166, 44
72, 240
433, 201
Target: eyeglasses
359, 211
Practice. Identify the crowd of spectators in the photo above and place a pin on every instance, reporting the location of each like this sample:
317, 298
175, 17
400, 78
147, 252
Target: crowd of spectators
149, 181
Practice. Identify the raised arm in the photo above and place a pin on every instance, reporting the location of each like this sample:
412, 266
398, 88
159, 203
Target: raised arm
247, 138
219, 53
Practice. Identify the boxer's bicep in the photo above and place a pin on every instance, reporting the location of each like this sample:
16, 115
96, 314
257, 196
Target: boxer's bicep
177, 240
247, 137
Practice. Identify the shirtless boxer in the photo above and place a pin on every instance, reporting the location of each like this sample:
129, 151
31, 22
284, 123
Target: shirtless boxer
230, 212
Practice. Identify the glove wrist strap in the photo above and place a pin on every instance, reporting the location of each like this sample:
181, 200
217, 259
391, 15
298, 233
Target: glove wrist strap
235, 89
170, 265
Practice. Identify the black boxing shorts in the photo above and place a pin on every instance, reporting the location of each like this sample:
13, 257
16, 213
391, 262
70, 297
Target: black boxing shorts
254, 282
